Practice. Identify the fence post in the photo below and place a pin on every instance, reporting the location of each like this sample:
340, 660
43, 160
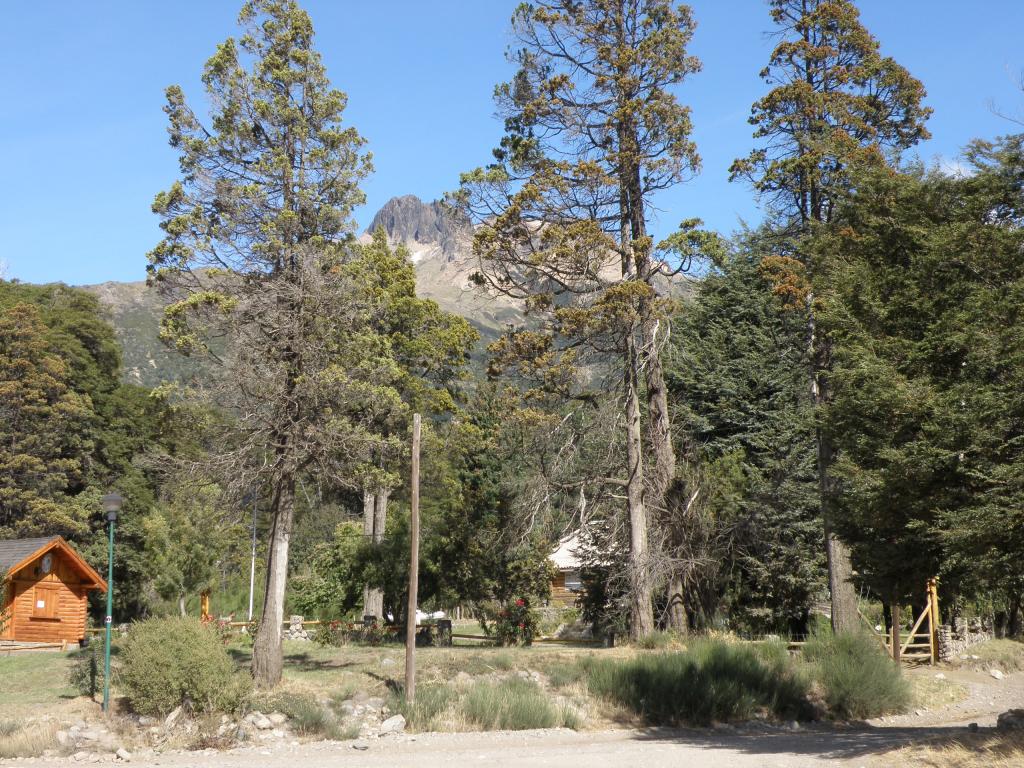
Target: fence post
933, 607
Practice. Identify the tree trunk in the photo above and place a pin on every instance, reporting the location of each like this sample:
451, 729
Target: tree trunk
266, 649
373, 599
641, 608
894, 636
676, 606
840, 567
659, 424
375, 595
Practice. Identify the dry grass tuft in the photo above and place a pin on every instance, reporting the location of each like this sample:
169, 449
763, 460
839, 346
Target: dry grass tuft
27, 739
1000, 750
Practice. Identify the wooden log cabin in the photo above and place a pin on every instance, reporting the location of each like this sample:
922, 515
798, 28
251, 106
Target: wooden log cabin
566, 586
45, 592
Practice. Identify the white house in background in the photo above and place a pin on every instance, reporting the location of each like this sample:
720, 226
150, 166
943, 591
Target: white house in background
565, 586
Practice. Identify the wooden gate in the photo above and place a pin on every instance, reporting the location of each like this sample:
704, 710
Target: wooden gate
922, 643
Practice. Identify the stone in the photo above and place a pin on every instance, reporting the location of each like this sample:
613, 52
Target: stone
997, 674
64, 738
262, 723
395, 724
171, 720
1012, 720
362, 746
973, 727
81, 756
387, 662
277, 718
940, 676
146, 722
124, 754
90, 735
374, 702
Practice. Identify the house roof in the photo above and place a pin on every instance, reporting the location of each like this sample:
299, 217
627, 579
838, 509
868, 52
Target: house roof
15, 554
565, 557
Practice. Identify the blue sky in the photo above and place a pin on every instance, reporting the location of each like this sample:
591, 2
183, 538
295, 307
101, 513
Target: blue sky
83, 144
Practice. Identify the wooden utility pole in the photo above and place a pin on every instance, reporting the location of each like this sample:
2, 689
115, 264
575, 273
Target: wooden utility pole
414, 567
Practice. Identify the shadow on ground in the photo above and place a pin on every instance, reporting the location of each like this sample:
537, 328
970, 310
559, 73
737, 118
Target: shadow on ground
832, 742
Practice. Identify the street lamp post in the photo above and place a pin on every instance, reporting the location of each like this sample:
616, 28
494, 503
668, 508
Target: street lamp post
111, 506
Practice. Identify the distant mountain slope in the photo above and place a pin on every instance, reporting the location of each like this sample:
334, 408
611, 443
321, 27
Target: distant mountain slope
439, 243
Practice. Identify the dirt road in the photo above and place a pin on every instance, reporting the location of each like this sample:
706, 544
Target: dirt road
653, 748
747, 746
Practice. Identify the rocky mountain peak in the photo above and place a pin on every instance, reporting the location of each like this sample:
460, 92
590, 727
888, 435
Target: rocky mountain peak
407, 219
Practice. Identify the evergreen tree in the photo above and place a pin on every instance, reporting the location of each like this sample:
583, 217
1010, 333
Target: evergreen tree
738, 389
928, 375
255, 254
431, 349
836, 106
45, 430
593, 132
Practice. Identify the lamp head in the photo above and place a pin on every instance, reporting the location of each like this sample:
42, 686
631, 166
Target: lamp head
112, 505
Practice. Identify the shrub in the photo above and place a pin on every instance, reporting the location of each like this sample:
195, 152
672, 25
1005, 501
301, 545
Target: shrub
515, 624
172, 661
86, 672
858, 678
712, 681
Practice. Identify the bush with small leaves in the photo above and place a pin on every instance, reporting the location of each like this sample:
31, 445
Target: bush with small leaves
168, 662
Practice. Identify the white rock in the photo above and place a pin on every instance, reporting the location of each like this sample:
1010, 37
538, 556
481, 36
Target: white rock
395, 724
277, 718
124, 754
262, 722
360, 745
64, 738
940, 676
997, 674
80, 756
173, 718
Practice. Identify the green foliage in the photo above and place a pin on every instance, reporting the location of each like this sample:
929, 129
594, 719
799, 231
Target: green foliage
738, 386
86, 672
432, 702
927, 377
858, 677
710, 682
837, 105
167, 662
185, 539
73, 431
515, 623
512, 704
45, 432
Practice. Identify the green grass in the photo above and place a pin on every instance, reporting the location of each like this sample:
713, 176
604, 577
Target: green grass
711, 682
427, 713
660, 641
32, 679
513, 704
1005, 655
858, 679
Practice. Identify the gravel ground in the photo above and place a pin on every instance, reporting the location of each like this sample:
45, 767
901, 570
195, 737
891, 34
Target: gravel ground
746, 746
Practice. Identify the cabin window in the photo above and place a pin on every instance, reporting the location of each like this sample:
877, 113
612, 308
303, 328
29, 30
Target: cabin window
44, 605
572, 580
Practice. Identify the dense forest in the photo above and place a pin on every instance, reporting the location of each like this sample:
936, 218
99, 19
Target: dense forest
744, 430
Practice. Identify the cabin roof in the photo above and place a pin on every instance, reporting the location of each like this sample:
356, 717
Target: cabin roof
565, 557
15, 554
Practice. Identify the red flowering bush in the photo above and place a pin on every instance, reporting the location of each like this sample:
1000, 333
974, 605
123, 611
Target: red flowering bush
515, 624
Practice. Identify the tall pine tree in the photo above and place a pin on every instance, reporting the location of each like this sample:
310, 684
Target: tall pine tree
836, 105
